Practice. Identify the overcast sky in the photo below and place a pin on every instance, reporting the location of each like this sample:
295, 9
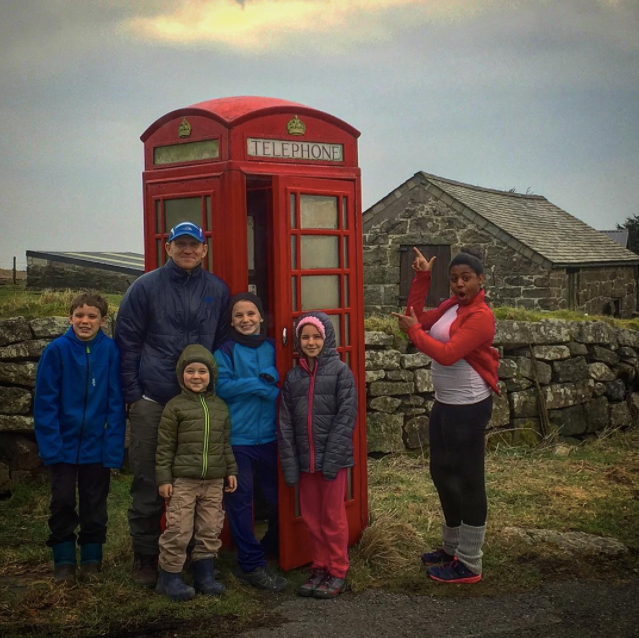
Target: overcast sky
538, 95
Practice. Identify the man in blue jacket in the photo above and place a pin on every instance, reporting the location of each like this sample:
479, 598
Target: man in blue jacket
162, 312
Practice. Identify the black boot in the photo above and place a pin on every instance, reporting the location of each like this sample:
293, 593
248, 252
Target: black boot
172, 586
204, 578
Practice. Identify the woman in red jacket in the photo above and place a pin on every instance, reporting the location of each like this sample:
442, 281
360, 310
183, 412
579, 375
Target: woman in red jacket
458, 336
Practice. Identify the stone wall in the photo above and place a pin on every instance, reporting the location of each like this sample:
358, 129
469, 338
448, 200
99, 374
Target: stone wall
42, 273
585, 373
419, 216
21, 344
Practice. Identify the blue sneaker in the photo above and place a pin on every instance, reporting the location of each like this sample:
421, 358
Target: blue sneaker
438, 557
455, 572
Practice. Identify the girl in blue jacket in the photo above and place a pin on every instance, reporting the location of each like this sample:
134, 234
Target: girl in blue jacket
247, 379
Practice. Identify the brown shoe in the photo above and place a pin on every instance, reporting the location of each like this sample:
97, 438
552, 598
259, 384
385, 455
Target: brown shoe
145, 570
90, 572
64, 573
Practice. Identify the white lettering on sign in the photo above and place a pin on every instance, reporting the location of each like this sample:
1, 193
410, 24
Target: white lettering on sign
282, 149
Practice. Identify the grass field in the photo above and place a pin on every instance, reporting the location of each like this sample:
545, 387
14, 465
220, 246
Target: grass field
17, 301
595, 489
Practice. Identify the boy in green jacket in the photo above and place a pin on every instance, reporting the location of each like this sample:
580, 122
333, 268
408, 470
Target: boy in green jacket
193, 458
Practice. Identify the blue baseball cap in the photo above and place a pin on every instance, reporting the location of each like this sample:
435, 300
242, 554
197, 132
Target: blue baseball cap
186, 228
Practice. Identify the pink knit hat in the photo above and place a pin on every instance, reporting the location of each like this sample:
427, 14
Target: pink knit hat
313, 321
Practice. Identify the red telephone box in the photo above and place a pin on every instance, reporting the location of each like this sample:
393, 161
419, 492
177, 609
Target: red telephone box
276, 187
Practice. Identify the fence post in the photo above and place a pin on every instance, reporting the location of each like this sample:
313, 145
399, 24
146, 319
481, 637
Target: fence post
15, 274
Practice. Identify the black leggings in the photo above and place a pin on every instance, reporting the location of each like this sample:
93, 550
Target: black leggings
456, 435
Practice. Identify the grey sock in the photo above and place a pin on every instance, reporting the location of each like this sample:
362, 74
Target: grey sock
450, 536
469, 551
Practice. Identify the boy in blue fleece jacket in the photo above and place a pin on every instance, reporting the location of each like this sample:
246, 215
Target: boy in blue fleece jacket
80, 425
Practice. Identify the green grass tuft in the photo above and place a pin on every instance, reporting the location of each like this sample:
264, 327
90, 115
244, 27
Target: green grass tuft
31, 304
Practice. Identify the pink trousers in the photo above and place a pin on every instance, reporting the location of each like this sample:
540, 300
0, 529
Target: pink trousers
324, 512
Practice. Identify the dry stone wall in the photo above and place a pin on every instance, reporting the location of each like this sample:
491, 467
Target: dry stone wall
557, 379
21, 344
582, 377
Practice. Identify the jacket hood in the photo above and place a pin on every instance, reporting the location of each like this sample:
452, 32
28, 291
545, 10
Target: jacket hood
70, 334
191, 354
330, 344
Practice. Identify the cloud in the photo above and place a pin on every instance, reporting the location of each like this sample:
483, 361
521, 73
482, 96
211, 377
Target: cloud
260, 25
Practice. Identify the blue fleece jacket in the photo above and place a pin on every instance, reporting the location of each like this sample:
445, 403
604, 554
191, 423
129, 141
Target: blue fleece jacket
246, 381
78, 408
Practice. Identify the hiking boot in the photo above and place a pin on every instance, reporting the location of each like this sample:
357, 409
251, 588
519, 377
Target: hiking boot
315, 580
330, 587
262, 578
145, 569
455, 572
173, 587
90, 562
64, 562
64, 573
90, 572
438, 557
204, 578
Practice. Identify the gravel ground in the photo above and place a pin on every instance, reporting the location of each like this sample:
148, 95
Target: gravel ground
560, 610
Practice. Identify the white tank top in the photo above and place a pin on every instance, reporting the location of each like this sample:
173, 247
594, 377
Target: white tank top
459, 383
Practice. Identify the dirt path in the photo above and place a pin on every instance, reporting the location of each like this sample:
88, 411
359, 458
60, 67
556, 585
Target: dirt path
560, 610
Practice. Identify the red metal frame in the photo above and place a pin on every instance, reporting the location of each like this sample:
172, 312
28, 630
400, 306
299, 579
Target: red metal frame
295, 547
232, 121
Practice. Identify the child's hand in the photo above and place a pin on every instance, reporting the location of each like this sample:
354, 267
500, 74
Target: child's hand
232, 484
406, 322
420, 263
166, 490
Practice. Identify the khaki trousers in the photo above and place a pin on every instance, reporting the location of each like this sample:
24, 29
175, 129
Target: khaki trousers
194, 510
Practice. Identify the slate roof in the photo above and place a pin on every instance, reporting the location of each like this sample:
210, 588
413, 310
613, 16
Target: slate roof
529, 224
129, 263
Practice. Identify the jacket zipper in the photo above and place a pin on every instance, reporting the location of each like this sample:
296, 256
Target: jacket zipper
187, 309
207, 429
309, 424
259, 422
86, 398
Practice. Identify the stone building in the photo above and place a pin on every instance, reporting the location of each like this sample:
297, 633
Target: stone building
536, 255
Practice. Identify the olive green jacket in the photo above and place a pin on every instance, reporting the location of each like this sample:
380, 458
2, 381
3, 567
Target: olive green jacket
195, 429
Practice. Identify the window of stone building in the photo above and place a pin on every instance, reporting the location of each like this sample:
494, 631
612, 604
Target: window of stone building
439, 288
